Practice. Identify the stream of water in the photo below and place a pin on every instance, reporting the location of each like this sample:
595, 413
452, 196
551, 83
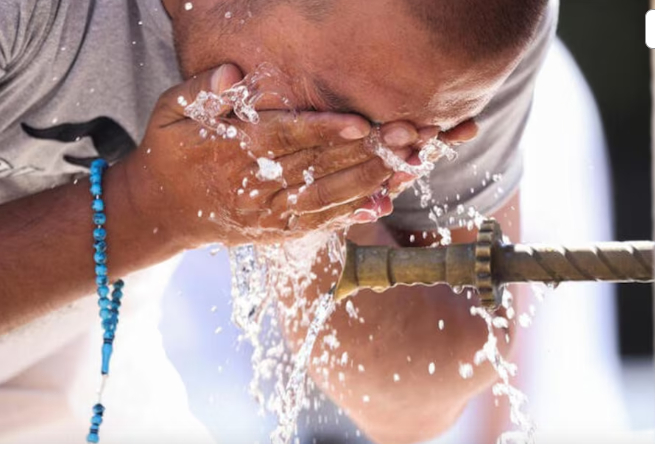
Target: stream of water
265, 275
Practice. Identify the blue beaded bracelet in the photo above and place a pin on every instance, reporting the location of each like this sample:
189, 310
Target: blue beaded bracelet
108, 307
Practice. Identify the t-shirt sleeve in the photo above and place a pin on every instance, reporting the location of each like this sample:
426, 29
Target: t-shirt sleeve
487, 170
23, 26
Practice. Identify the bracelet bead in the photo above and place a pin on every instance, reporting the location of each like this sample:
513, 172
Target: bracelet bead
104, 302
107, 349
96, 189
101, 280
95, 178
103, 291
99, 219
100, 258
99, 164
98, 205
101, 270
99, 234
100, 246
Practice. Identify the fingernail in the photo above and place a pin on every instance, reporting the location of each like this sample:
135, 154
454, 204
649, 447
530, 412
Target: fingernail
364, 216
352, 133
397, 137
403, 153
401, 178
218, 80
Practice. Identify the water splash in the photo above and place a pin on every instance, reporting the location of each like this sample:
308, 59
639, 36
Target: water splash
505, 370
292, 397
264, 275
431, 152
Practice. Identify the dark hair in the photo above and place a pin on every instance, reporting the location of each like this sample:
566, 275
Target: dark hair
478, 29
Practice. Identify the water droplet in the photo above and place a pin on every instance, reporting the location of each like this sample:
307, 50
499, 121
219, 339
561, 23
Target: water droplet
231, 132
431, 368
465, 370
308, 176
525, 320
350, 309
188, 6
268, 170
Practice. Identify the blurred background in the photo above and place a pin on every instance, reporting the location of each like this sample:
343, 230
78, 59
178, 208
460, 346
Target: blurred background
606, 38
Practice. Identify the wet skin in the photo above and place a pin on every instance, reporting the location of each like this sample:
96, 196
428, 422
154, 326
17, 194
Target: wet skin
377, 64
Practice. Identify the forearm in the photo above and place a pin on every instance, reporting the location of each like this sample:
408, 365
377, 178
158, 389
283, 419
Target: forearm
46, 246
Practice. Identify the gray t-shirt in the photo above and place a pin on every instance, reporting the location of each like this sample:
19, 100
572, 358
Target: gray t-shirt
79, 78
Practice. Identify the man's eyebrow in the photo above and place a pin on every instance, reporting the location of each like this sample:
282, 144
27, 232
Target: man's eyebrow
333, 100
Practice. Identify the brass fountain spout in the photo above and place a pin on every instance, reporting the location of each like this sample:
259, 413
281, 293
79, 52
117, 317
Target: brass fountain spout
489, 264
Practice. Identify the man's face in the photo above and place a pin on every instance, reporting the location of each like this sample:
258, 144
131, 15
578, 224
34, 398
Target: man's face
377, 62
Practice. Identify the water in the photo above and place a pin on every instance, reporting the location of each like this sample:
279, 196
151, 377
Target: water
263, 276
429, 154
294, 393
269, 170
506, 371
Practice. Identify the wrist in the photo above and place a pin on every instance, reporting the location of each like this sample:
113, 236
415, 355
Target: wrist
138, 235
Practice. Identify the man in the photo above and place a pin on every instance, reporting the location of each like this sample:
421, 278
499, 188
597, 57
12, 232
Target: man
79, 79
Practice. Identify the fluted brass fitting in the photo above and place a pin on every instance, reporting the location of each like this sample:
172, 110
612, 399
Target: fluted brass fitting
488, 265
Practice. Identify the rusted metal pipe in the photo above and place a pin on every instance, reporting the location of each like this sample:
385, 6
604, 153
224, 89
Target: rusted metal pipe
488, 265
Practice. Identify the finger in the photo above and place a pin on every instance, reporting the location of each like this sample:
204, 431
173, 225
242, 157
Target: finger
172, 105
323, 161
281, 132
428, 133
339, 188
360, 211
399, 134
364, 210
462, 133
319, 162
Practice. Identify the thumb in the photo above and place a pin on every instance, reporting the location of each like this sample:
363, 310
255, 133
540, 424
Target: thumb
174, 101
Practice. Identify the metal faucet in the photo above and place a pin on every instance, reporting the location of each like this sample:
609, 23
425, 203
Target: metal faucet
489, 264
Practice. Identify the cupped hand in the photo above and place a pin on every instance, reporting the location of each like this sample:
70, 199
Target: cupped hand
288, 174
